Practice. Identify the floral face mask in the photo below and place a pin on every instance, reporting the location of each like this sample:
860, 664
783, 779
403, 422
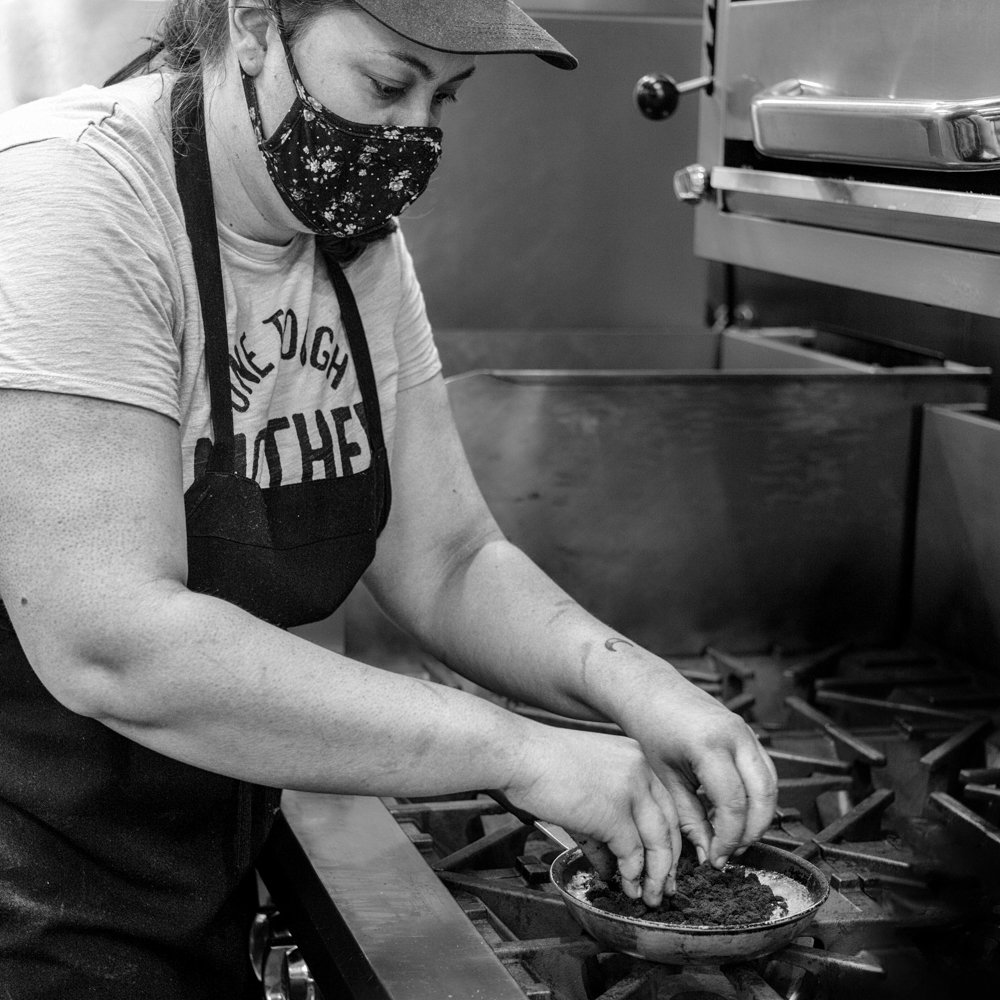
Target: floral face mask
337, 177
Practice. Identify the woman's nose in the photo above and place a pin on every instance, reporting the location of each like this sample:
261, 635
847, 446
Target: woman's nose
421, 120
417, 113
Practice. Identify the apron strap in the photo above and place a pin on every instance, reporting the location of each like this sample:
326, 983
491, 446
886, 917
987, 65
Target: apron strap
358, 342
194, 185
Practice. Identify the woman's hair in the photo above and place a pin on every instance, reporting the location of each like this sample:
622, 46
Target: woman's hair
194, 34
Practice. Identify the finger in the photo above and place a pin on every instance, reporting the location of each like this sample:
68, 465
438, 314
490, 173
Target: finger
691, 816
654, 829
724, 787
667, 806
761, 785
627, 848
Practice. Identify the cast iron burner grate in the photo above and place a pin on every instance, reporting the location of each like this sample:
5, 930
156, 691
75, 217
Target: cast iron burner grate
889, 767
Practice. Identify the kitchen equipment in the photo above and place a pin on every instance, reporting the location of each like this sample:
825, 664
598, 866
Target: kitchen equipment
803, 887
803, 520
853, 144
880, 753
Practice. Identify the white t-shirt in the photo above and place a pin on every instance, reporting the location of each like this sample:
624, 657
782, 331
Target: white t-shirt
98, 295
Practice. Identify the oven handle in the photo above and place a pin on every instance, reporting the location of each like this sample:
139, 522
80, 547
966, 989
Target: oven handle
826, 192
802, 120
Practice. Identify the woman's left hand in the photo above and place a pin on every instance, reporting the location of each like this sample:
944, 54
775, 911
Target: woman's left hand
694, 743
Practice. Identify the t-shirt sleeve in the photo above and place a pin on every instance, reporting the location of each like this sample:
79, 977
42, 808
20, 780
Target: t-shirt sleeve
415, 347
86, 305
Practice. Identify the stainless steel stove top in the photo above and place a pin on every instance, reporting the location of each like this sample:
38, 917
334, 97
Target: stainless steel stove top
888, 771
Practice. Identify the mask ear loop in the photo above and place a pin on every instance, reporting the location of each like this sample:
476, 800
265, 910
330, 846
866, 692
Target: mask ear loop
250, 90
283, 35
250, 85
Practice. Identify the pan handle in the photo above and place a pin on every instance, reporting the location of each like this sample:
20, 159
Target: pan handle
598, 854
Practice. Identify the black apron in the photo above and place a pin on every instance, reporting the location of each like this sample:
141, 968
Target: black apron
124, 873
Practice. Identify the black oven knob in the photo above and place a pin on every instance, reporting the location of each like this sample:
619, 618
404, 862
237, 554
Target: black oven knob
658, 94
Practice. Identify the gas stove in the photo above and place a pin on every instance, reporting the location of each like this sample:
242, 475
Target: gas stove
889, 767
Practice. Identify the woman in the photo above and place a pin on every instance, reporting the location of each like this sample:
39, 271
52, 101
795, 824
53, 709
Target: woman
202, 407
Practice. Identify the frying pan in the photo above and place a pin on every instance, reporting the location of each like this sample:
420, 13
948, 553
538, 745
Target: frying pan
803, 886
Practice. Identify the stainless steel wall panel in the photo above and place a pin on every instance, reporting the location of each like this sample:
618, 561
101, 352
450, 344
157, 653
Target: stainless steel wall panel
957, 565
735, 509
553, 207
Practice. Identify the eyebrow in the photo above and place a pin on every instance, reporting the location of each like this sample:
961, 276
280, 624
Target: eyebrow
423, 69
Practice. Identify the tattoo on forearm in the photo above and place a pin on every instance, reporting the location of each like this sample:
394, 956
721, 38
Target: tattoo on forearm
609, 644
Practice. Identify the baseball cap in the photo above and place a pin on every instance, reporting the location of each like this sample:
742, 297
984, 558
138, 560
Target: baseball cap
473, 26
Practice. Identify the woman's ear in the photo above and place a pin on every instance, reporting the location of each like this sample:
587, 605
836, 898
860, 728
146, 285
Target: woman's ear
248, 27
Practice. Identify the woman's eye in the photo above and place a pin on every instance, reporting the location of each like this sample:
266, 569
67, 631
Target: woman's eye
445, 97
386, 91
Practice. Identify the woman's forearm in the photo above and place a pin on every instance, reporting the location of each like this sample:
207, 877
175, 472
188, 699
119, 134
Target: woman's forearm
534, 643
531, 641
200, 680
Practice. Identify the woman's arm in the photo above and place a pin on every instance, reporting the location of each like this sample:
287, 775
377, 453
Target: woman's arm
93, 546
446, 573
92, 571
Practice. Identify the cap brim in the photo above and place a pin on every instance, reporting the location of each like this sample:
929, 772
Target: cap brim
476, 27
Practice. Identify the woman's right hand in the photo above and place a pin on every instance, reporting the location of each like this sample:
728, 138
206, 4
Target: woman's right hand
602, 786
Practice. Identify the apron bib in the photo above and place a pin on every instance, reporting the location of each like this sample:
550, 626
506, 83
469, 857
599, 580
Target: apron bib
125, 873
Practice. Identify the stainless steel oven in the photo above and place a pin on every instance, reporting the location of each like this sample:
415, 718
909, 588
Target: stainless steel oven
855, 144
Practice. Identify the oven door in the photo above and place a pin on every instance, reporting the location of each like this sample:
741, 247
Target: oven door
856, 144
